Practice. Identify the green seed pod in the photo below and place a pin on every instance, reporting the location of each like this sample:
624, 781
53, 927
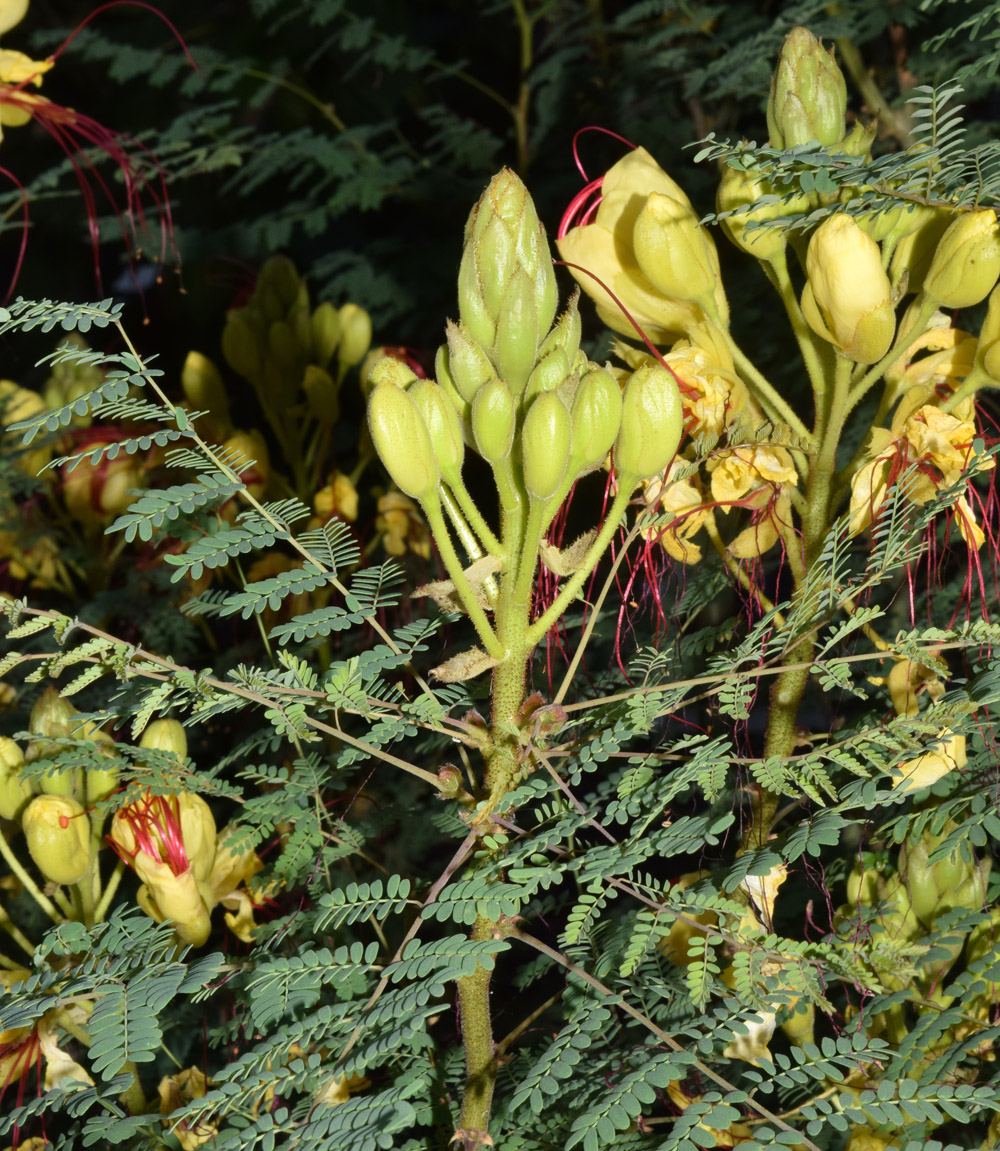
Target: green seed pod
493, 420
355, 335
966, 262
808, 98
548, 374
596, 417
165, 735
468, 364
651, 424
545, 439
57, 832
443, 426
324, 332
15, 790
672, 249
402, 441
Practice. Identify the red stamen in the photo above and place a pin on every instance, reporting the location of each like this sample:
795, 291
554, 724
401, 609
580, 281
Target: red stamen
156, 828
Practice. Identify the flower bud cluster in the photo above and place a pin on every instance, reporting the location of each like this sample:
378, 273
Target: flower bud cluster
512, 384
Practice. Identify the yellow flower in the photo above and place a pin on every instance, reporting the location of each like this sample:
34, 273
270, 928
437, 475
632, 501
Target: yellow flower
400, 526
714, 394
684, 500
604, 249
951, 356
338, 498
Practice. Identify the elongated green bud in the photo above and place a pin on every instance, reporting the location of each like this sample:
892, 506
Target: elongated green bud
545, 439
651, 426
392, 371
241, 345
493, 420
566, 332
596, 417
355, 335
966, 262
442, 373
165, 735
322, 394
504, 241
808, 94
468, 364
324, 332
402, 441
548, 374
443, 426
203, 387
57, 832
52, 716
15, 790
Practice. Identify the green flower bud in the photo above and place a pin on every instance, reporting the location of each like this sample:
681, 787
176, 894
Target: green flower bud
322, 394
859, 139
402, 441
988, 351
98, 782
15, 790
516, 347
808, 94
279, 285
324, 332
966, 263
939, 887
203, 387
566, 332
241, 345
52, 716
882, 225
493, 420
468, 365
672, 250
741, 194
504, 241
282, 346
651, 424
862, 886
545, 439
57, 832
165, 735
442, 373
355, 335
596, 417
390, 370
549, 373
443, 426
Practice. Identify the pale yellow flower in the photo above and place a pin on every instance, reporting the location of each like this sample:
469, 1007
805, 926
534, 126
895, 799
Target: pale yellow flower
177, 1090
401, 527
713, 394
339, 497
604, 248
16, 70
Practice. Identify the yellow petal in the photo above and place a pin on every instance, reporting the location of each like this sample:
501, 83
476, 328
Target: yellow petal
16, 68
11, 12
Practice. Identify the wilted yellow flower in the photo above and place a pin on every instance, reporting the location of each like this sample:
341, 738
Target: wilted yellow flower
713, 393
947, 754
401, 527
939, 443
604, 248
905, 682
747, 475
177, 1090
950, 357
683, 499
338, 498
847, 299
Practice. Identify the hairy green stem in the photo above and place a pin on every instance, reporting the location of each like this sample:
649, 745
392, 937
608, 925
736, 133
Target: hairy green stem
480, 1054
